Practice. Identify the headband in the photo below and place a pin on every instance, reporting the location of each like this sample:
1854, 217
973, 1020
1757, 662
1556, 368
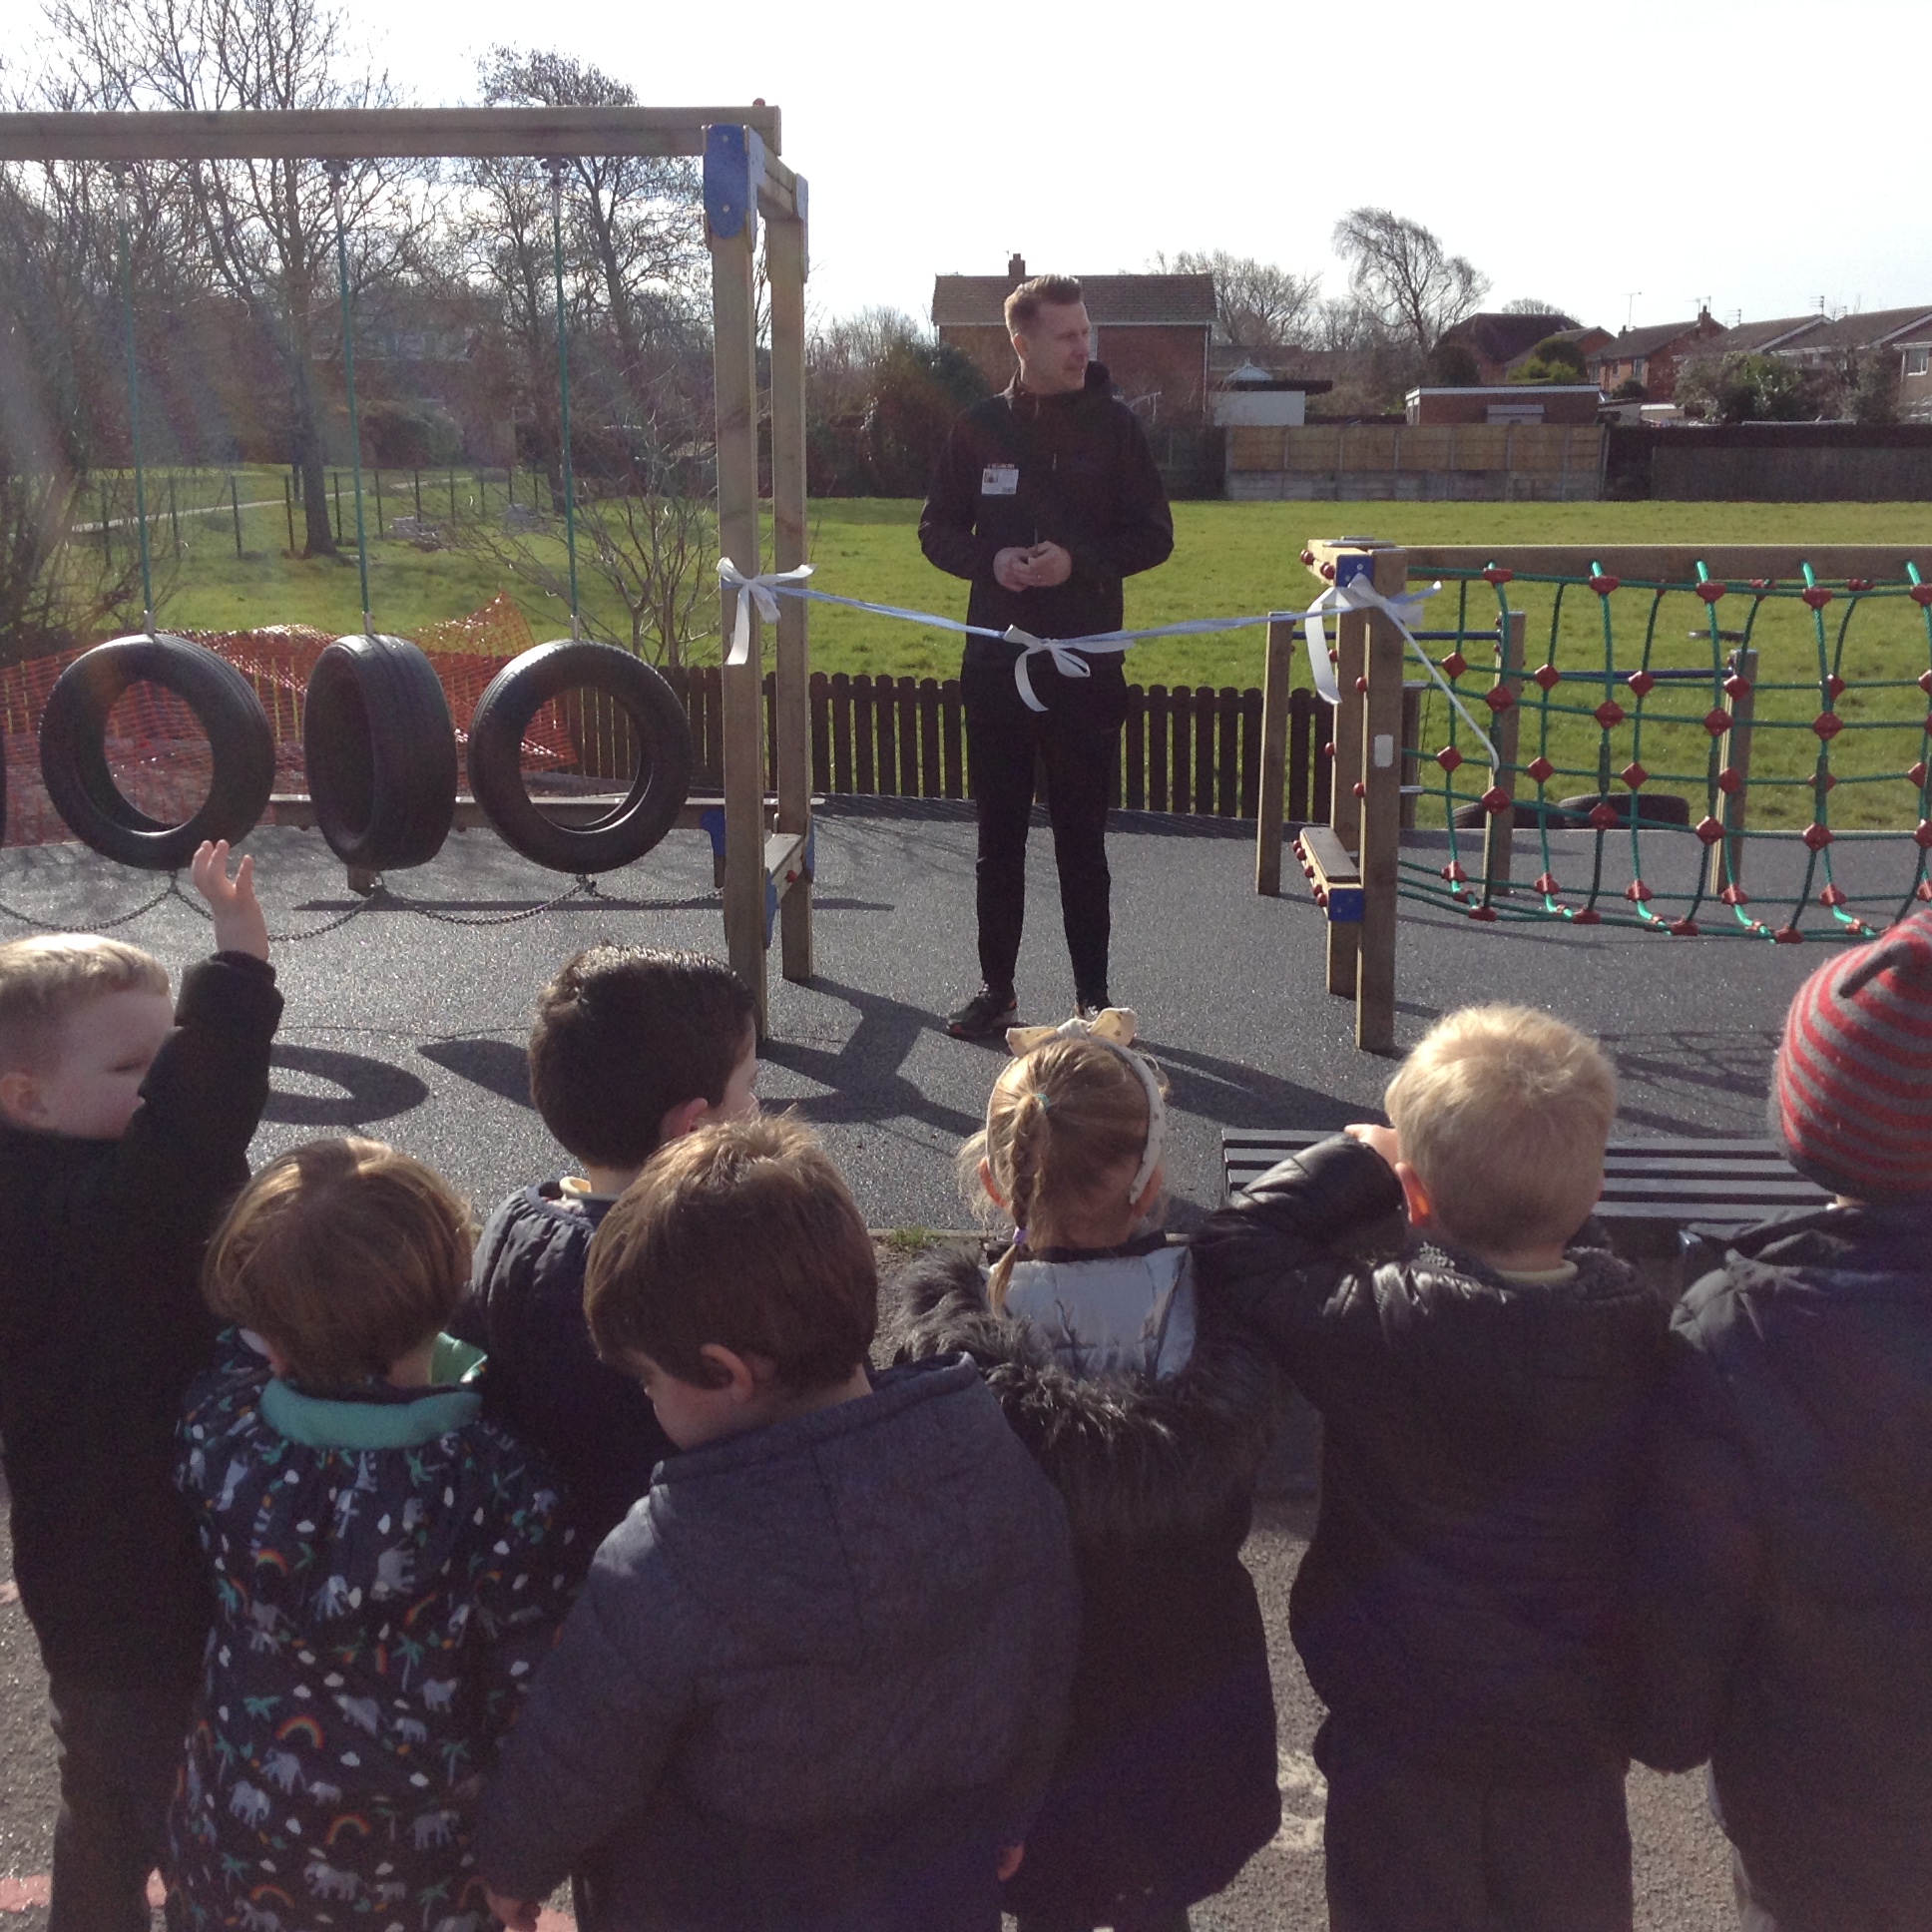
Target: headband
1112, 1028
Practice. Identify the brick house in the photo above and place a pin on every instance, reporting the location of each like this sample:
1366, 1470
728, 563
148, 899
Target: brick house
1152, 331
1829, 342
1652, 357
1502, 343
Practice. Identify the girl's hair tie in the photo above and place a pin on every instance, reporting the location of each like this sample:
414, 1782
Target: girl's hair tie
1112, 1028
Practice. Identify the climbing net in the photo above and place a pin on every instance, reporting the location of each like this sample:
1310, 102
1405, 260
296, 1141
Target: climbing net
1691, 742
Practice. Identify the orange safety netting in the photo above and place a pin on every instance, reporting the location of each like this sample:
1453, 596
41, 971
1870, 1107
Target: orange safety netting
157, 752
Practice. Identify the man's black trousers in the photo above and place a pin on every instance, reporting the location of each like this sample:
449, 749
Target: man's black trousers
1076, 739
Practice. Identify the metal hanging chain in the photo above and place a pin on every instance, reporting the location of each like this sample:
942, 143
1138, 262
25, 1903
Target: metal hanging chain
274, 938
124, 251
555, 167
337, 174
100, 925
583, 886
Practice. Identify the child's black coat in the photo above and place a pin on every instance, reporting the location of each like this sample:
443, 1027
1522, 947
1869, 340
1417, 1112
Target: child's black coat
1168, 1782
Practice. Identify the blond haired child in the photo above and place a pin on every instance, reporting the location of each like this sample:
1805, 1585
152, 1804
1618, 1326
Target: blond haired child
124, 1121
1482, 1378
387, 1566
817, 1675
1152, 1423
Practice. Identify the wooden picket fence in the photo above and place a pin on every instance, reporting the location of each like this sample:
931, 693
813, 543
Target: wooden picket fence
1186, 748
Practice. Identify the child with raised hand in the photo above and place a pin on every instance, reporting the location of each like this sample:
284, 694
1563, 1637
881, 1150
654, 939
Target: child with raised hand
1483, 1373
1152, 1418
817, 1676
388, 1567
124, 1121
632, 1047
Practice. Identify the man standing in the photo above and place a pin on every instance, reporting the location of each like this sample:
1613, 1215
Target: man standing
1045, 499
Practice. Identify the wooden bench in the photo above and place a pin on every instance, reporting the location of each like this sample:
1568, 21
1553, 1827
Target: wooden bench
1653, 1190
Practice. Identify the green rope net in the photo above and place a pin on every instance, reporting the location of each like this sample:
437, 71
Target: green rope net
1794, 712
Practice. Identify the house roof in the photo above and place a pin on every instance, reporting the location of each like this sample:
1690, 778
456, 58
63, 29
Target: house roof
1644, 342
1751, 338
1498, 337
977, 302
1868, 330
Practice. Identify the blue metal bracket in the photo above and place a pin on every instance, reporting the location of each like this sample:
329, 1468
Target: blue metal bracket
734, 169
711, 819
1347, 569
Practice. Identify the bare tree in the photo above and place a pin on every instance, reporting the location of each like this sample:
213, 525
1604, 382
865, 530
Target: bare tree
60, 419
1257, 304
1532, 305
1397, 270
265, 229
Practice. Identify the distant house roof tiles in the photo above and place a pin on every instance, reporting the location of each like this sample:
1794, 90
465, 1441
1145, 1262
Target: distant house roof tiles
1499, 337
977, 302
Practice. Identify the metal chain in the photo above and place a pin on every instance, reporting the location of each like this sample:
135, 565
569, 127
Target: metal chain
585, 888
100, 925
274, 938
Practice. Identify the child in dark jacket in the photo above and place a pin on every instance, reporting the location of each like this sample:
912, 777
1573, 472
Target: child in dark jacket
1788, 1601
632, 1047
388, 1567
817, 1676
125, 1124
1482, 1379
1152, 1419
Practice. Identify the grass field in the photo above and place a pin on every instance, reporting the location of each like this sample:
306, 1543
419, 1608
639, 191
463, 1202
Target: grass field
1229, 559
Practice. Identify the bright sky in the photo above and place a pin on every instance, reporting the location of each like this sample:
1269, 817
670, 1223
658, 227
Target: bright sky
1616, 162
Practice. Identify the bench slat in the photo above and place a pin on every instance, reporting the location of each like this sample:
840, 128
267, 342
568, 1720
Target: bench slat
1729, 1183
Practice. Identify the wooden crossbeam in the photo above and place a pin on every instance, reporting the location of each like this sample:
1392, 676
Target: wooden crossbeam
1735, 564
374, 134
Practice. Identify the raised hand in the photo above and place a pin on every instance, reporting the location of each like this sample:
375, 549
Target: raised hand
238, 924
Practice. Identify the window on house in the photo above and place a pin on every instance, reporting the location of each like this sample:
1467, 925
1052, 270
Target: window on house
1916, 359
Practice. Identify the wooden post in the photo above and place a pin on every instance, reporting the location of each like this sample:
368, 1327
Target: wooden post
1269, 805
1381, 814
731, 219
785, 267
1505, 732
1344, 807
1734, 754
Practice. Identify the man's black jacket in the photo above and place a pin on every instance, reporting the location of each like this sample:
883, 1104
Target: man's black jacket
1085, 480
1788, 1549
1460, 1603
103, 1326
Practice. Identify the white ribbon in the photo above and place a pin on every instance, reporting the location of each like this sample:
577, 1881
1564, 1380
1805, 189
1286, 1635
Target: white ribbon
1358, 593
1071, 655
761, 590
1066, 659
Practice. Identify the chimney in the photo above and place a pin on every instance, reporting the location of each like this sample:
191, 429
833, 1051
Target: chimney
1016, 267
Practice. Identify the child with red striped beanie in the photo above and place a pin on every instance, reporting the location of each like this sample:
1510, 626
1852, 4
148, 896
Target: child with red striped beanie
1785, 1565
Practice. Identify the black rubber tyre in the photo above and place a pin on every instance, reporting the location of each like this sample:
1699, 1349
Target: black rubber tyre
382, 753
73, 753
503, 714
1573, 814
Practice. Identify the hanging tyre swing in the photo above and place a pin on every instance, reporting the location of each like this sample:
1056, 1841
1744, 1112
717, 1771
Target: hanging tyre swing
658, 790
73, 749
382, 753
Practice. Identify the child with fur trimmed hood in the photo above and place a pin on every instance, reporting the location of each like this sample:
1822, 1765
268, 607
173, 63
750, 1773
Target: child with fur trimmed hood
1150, 1417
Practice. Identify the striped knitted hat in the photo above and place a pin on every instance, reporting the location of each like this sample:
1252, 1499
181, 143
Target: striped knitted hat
1852, 1090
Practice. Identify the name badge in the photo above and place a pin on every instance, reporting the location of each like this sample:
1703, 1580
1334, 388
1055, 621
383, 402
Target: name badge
999, 479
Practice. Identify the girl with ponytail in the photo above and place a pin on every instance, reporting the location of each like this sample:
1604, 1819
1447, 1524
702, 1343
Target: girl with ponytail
1152, 1418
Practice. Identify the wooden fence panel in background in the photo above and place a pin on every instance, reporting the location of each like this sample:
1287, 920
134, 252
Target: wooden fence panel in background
1183, 749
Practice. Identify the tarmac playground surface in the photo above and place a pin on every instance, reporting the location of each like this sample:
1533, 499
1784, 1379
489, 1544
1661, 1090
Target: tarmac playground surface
411, 1029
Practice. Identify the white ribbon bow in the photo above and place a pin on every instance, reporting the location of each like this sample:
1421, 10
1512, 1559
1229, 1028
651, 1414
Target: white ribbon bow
1066, 659
761, 590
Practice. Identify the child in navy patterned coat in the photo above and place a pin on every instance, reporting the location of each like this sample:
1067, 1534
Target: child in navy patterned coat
387, 1566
